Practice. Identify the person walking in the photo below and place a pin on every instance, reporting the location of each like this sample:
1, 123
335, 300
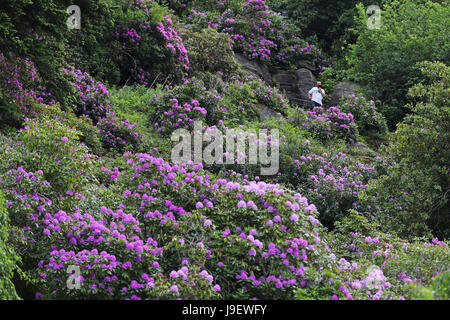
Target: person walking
317, 94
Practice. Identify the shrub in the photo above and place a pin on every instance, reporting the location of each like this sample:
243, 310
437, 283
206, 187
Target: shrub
53, 148
151, 48
327, 20
118, 135
209, 51
385, 60
91, 96
8, 257
326, 124
332, 181
88, 133
37, 31
412, 197
21, 88
180, 106
438, 290
258, 33
401, 262
156, 244
366, 116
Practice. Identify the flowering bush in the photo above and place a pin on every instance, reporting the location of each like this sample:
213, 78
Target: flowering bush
117, 134
366, 116
333, 182
91, 95
209, 51
327, 123
7, 256
259, 33
184, 104
152, 50
395, 260
21, 86
268, 96
135, 226
437, 290
52, 147
139, 243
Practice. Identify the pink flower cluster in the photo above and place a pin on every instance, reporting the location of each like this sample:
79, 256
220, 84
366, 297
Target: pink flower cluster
20, 78
91, 93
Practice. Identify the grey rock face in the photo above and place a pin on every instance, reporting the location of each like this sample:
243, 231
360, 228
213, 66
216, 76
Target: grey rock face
306, 81
254, 68
266, 112
305, 64
342, 89
295, 84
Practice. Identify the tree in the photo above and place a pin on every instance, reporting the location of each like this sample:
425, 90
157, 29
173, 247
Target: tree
385, 59
412, 198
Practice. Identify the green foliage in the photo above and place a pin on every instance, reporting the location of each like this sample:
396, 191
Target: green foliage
326, 21
84, 182
37, 30
209, 51
9, 112
370, 122
240, 103
8, 257
246, 100
412, 198
439, 289
385, 59
53, 148
88, 133
132, 102
326, 124
415, 263
180, 106
118, 135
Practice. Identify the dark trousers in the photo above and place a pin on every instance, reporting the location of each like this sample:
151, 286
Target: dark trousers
315, 104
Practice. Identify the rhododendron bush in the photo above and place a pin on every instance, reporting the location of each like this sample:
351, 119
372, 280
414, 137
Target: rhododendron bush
152, 240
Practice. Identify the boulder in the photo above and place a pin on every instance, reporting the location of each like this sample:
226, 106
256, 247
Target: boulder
305, 64
266, 112
296, 84
342, 89
255, 68
305, 81
285, 79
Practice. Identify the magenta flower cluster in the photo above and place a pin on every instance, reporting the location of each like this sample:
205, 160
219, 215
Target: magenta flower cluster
328, 123
21, 80
92, 94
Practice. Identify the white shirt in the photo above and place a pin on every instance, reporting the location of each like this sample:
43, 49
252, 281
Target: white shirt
316, 96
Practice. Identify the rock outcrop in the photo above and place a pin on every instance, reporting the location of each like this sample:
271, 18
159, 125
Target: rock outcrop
305, 64
295, 84
342, 89
266, 112
305, 81
255, 68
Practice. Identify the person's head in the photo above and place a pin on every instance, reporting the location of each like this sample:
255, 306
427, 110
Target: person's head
319, 84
